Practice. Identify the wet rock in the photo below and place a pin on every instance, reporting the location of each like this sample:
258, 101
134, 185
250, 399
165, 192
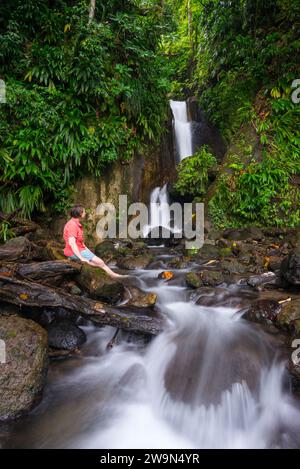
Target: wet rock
23, 376
290, 268
263, 311
204, 278
140, 299
289, 317
46, 316
99, 285
135, 262
64, 334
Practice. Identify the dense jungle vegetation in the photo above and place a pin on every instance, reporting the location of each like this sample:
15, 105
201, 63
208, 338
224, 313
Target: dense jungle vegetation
85, 87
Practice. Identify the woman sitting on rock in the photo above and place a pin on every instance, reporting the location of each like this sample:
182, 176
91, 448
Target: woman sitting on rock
75, 248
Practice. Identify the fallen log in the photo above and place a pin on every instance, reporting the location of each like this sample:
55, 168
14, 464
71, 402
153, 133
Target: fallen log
24, 293
43, 270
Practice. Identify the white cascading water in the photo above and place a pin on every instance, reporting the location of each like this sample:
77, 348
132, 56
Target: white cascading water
159, 210
209, 380
159, 198
183, 130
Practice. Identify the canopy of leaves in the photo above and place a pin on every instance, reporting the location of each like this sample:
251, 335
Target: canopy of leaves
80, 94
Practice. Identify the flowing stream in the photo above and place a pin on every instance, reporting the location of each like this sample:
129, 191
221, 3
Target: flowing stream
210, 380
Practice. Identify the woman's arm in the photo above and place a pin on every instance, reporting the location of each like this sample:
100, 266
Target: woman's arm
72, 242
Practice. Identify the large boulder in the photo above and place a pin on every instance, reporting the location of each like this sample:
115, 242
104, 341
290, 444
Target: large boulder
290, 268
64, 334
23, 374
99, 285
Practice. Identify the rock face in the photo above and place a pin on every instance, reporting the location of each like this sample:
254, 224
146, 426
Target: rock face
23, 375
99, 285
290, 268
64, 334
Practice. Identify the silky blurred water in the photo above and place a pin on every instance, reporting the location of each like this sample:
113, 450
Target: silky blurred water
210, 380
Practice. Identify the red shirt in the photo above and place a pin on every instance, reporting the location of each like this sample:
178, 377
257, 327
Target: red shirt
73, 228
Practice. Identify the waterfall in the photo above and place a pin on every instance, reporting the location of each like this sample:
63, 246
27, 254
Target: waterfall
183, 130
159, 198
159, 210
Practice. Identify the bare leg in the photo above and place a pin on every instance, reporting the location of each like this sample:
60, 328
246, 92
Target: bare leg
97, 262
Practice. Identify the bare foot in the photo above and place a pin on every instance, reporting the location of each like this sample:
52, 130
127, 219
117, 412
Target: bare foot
119, 276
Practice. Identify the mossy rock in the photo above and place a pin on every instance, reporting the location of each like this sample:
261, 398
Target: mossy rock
99, 285
289, 317
55, 251
23, 374
204, 278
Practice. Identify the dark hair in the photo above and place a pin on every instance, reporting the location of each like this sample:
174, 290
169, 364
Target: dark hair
76, 211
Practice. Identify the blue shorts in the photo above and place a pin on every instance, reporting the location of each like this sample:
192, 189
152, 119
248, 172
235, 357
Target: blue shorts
86, 253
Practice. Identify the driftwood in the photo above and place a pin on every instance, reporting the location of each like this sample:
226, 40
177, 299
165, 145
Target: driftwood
31, 294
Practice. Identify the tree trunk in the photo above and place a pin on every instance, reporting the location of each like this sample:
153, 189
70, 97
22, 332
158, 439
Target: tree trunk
92, 10
24, 293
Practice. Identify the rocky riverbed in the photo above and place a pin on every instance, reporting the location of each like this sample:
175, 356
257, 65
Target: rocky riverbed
46, 301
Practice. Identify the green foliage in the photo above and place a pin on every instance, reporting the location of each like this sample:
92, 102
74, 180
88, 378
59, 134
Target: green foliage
6, 232
193, 173
240, 59
79, 95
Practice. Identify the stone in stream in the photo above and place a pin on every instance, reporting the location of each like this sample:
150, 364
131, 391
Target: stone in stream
99, 285
23, 374
135, 297
64, 334
290, 268
204, 278
263, 311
